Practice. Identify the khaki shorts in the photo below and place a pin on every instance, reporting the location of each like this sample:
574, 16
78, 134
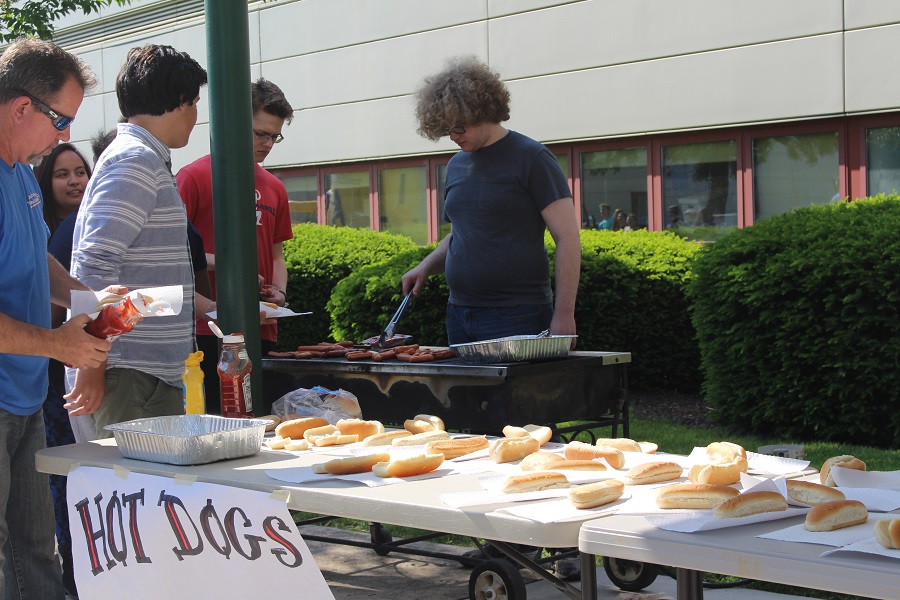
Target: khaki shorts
133, 394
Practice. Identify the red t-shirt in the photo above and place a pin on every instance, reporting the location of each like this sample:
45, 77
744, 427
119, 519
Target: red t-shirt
273, 220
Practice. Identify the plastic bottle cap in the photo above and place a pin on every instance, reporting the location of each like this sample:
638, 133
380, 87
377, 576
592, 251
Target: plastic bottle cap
233, 338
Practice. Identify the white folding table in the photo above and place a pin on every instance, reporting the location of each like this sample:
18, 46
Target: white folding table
737, 551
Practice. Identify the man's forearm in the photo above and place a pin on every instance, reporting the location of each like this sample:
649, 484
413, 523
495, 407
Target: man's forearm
568, 273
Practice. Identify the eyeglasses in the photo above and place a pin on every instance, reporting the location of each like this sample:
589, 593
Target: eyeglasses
60, 121
275, 137
458, 130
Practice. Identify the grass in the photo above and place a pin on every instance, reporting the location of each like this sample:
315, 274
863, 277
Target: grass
679, 439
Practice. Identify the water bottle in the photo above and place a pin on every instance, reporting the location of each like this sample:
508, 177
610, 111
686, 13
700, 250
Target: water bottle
234, 376
192, 385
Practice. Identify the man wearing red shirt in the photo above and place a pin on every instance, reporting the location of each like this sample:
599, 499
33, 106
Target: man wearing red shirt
271, 111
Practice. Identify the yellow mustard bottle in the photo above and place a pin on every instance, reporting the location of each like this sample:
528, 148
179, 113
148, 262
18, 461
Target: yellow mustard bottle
192, 385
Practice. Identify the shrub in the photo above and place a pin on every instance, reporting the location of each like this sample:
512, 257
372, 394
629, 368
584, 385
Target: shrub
623, 275
797, 322
632, 298
317, 258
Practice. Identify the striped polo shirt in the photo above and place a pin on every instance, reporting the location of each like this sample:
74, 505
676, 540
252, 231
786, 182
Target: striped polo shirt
132, 230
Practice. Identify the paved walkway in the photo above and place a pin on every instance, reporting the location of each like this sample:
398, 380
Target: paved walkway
357, 573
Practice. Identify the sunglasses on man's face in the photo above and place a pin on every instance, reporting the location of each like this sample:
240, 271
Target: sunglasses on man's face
59, 121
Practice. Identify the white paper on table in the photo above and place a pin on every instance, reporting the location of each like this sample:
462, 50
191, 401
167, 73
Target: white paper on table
85, 301
559, 511
479, 498
839, 537
869, 546
757, 463
889, 480
270, 313
877, 500
633, 459
700, 520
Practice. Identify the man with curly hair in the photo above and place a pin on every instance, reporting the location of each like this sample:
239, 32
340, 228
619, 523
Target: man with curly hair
503, 190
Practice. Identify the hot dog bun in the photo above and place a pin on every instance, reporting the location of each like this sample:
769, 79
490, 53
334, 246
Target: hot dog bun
653, 472
385, 439
539, 432
722, 473
836, 515
295, 428
423, 423
845, 461
352, 464
580, 451
577, 465
623, 444
333, 439
728, 452
409, 467
750, 503
507, 450
540, 461
456, 447
887, 533
693, 495
313, 432
533, 482
597, 494
420, 439
361, 428
811, 493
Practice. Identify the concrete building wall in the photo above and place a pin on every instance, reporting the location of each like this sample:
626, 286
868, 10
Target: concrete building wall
577, 70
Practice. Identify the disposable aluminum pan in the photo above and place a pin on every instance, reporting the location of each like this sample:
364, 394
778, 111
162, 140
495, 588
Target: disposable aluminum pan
188, 439
516, 348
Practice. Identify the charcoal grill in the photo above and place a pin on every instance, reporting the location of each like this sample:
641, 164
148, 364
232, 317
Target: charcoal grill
588, 387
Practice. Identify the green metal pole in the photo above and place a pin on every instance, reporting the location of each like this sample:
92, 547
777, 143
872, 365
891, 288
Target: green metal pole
234, 190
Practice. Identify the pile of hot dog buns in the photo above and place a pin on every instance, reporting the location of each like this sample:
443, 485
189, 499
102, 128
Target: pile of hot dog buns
709, 485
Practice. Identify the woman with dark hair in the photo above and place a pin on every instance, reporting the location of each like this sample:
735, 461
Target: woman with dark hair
62, 175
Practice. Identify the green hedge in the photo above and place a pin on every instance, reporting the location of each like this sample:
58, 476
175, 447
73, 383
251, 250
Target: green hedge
317, 258
798, 326
631, 298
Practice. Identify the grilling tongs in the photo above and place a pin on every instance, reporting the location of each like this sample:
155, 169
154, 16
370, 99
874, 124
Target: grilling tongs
389, 330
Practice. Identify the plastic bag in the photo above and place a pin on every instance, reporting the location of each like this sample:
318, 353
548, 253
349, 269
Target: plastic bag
318, 402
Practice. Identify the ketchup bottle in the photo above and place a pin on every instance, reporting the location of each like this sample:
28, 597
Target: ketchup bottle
114, 320
234, 376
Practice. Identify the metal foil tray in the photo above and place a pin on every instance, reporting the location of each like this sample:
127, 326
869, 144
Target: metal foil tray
516, 348
188, 439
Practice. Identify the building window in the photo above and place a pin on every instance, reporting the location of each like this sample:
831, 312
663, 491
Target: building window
699, 187
402, 200
302, 193
347, 199
794, 170
882, 160
440, 178
617, 179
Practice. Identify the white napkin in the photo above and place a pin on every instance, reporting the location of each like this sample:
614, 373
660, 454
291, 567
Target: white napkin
869, 546
889, 480
270, 313
85, 301
480, 498
839, 537
558, 511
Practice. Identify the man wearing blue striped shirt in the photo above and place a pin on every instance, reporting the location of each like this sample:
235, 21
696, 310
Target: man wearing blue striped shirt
131, 230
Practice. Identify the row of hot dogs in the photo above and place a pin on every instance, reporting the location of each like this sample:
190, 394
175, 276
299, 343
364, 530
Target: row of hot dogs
350, 351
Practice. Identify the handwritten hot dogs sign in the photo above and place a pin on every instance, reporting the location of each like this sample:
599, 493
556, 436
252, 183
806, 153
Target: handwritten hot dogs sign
140, 536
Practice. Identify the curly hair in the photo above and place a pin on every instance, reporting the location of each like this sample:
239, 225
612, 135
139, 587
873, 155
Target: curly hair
466, 92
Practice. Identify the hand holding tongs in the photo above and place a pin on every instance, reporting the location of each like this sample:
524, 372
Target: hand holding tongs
389, 330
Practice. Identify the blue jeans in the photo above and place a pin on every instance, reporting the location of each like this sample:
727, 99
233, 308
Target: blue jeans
476, 323
28, 567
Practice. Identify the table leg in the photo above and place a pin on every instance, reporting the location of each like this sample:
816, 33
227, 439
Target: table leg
588, 576
689, 584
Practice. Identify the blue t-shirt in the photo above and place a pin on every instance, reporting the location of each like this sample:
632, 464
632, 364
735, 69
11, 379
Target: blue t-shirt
24, 284
494, 198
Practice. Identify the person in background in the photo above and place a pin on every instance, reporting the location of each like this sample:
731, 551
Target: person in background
503, 191
41, 89
62, 176
131, 229
271, 111
619, 218
606, 218
631, 222
674, 216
